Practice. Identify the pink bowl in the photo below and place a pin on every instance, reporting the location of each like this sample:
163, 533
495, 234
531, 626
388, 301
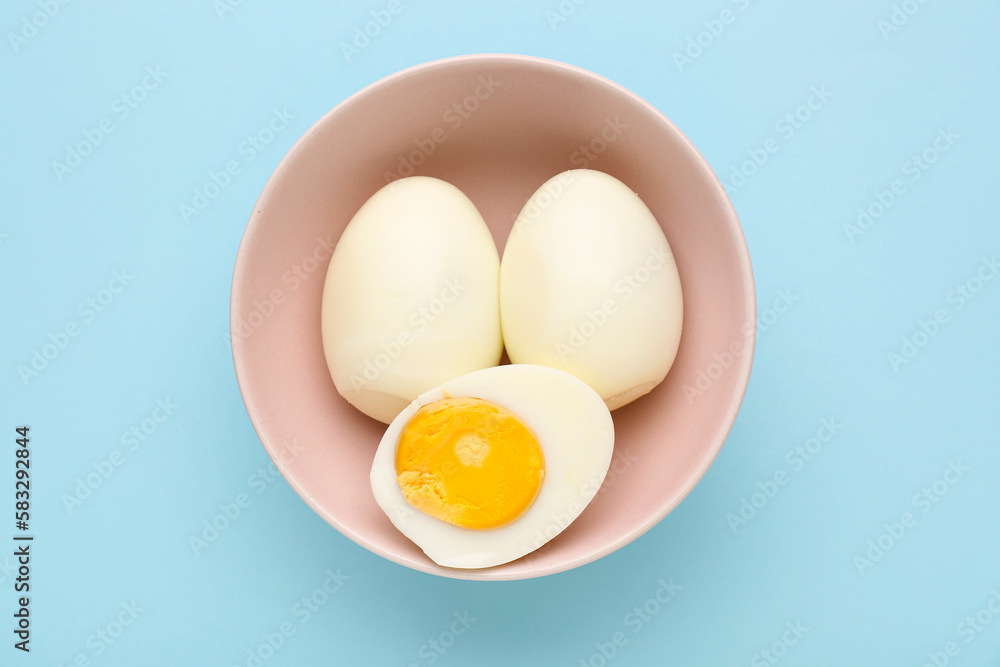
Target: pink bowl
496, 126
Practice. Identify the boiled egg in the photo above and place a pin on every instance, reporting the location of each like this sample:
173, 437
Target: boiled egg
489, 466
411, 296
589, 285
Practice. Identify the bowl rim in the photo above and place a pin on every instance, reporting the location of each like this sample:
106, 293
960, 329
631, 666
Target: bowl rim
714, 443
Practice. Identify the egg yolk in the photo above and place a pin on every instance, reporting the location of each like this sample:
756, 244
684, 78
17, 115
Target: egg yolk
469, 462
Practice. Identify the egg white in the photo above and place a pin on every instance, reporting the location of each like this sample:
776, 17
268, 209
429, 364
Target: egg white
576, 435
410, 298
589, 285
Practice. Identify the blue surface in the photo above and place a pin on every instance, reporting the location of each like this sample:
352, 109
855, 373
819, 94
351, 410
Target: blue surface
803, 577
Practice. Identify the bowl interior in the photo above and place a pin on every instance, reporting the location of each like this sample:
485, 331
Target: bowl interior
497, 127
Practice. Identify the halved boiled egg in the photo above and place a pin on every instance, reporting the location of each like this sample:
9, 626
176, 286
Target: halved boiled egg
491, 465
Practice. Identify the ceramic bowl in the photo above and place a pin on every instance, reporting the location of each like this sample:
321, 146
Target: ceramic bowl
497, 127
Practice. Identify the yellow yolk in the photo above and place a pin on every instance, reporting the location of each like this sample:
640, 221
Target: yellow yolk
468, 462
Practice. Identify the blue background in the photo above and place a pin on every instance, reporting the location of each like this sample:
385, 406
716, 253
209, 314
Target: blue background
809, 555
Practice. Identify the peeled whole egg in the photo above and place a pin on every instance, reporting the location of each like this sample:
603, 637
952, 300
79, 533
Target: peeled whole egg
411, 296
489, 466
588, 285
